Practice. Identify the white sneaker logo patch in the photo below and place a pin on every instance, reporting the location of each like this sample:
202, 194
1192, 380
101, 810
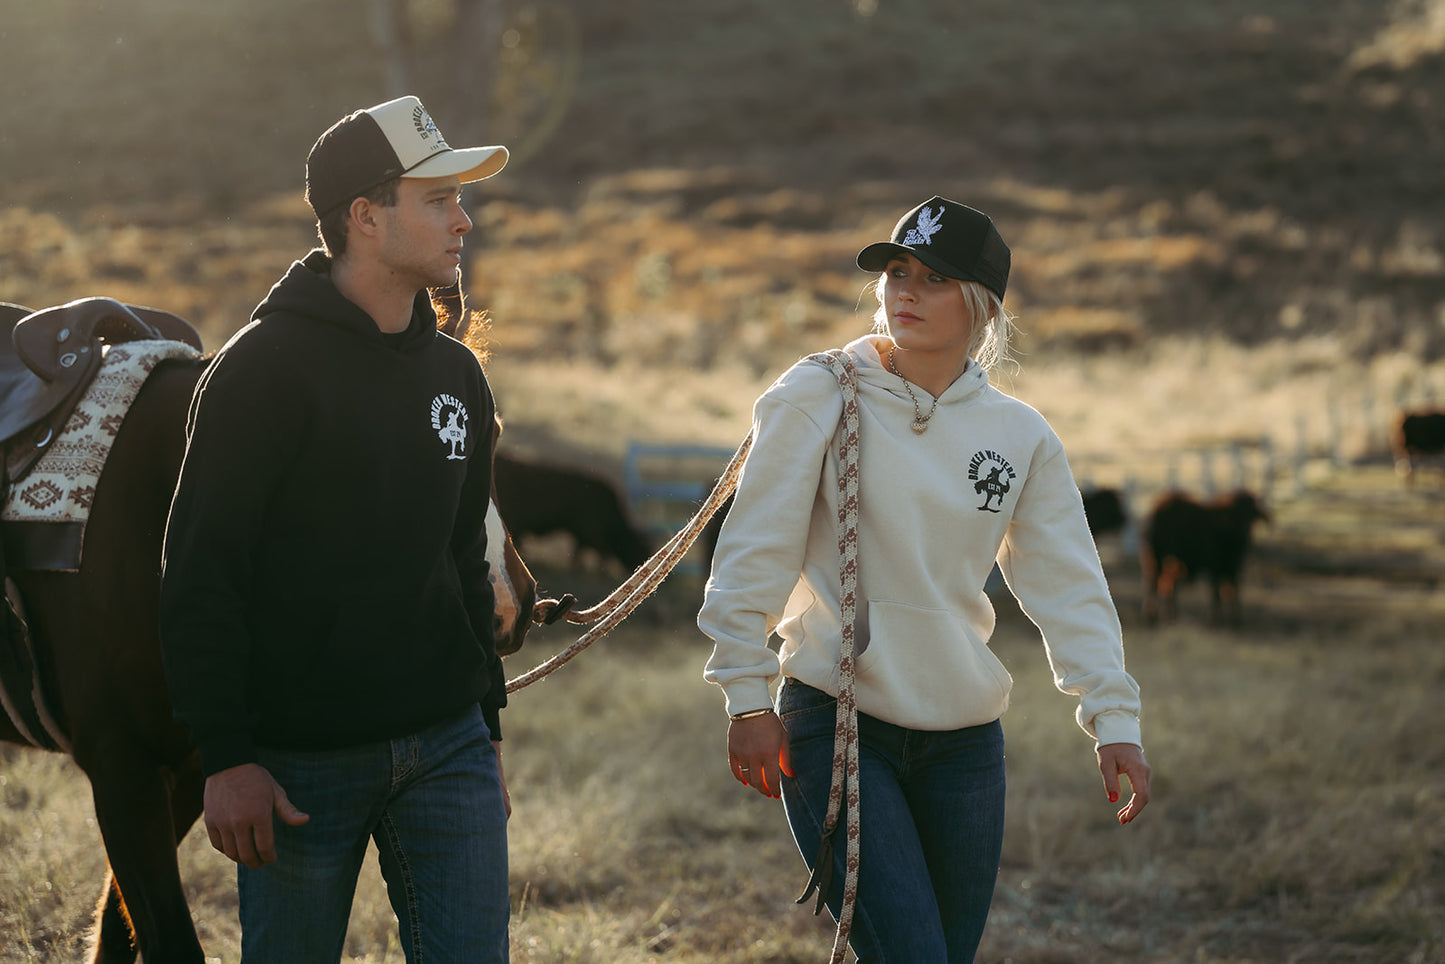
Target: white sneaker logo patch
449, 419
926, 228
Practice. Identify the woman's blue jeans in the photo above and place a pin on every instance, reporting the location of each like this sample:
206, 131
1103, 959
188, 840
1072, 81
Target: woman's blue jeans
932, 828
433, 804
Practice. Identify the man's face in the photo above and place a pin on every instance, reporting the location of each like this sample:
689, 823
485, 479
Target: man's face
422, 240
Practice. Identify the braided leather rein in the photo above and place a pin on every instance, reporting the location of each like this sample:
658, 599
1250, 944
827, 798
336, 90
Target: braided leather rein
641, 584
844, 785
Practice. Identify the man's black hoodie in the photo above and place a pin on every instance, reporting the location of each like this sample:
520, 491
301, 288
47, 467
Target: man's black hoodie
324, 576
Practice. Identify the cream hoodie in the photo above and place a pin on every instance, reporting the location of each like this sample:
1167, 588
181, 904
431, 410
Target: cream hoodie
988, 481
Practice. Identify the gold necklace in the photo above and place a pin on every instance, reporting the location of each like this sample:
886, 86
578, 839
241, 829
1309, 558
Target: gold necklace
920, 421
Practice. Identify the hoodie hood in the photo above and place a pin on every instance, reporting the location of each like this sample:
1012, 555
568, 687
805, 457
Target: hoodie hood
307, 292
869, 354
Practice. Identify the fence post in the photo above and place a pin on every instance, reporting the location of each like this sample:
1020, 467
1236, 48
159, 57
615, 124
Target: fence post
1267, 466
1301, 453
1336, 430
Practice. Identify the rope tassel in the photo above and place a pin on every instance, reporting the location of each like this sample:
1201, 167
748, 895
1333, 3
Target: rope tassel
822, 878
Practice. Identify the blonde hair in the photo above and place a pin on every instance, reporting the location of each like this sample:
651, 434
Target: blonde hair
989, 344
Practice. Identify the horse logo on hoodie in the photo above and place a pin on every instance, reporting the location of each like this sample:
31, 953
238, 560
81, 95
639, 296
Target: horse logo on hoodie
996, 483
449, 420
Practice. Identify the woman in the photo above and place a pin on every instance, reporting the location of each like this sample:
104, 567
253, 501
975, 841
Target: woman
953, 477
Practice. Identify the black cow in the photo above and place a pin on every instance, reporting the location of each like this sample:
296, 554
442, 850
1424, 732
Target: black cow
1184, 538
1104, 508
538, 498
1416, 434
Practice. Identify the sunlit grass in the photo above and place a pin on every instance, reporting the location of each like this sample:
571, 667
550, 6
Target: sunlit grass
1297, 808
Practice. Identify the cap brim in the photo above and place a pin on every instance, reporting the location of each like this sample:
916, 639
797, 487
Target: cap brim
469, 164
876, 256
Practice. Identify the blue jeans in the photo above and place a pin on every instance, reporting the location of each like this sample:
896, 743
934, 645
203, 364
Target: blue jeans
932, 828
433, 804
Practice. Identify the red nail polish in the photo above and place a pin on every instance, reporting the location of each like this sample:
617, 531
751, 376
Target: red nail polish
1113, 796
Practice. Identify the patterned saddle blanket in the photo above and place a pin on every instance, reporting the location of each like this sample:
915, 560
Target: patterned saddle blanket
59, 488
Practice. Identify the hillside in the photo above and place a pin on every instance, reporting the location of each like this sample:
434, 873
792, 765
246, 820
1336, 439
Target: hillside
1237, 184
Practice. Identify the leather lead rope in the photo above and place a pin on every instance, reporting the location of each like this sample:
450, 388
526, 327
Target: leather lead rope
641, 584
845, 734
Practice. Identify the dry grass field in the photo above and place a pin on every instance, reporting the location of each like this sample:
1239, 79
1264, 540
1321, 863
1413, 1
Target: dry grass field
1228, 263
1298, 796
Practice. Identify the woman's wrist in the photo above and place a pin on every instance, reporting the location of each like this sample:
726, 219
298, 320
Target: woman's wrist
749, 714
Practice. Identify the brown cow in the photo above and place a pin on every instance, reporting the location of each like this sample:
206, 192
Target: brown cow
1183, 538
537, 498
1416, 434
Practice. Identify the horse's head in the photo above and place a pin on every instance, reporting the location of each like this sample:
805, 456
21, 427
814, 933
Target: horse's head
512, 583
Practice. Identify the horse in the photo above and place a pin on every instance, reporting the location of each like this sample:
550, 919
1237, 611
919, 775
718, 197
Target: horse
97, 650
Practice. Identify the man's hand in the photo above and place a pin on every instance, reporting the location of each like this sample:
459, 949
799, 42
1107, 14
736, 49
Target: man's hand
1128, 759
239, 804
758, 753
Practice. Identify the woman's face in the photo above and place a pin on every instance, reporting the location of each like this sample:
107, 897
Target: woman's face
926, 311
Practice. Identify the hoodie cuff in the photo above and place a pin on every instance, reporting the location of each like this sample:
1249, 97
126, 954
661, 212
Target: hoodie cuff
223, 750
749, 693
1116, 726
492, 716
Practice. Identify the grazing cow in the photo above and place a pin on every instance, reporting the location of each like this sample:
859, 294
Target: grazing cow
1104, 508
1183, 538
1417, 434
537, 498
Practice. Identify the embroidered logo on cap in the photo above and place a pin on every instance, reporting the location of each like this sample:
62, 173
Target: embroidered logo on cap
426, 129
994, 485
926, 228
449, 419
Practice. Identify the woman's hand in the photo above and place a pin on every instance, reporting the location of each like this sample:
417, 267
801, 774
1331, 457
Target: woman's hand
1128, 759
758, 753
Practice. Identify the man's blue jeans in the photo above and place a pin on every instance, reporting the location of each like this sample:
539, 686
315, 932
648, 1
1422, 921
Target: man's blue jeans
932, 828
433, 804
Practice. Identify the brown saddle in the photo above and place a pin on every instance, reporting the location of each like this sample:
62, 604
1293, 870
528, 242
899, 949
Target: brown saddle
51, 357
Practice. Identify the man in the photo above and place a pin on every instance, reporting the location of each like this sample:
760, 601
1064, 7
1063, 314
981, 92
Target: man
326, 617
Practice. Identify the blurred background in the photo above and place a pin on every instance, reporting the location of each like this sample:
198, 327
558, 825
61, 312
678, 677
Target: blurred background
1229, 269
1233, 201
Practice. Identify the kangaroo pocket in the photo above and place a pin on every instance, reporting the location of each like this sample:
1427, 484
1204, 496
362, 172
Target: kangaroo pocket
926, 669
341, 650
